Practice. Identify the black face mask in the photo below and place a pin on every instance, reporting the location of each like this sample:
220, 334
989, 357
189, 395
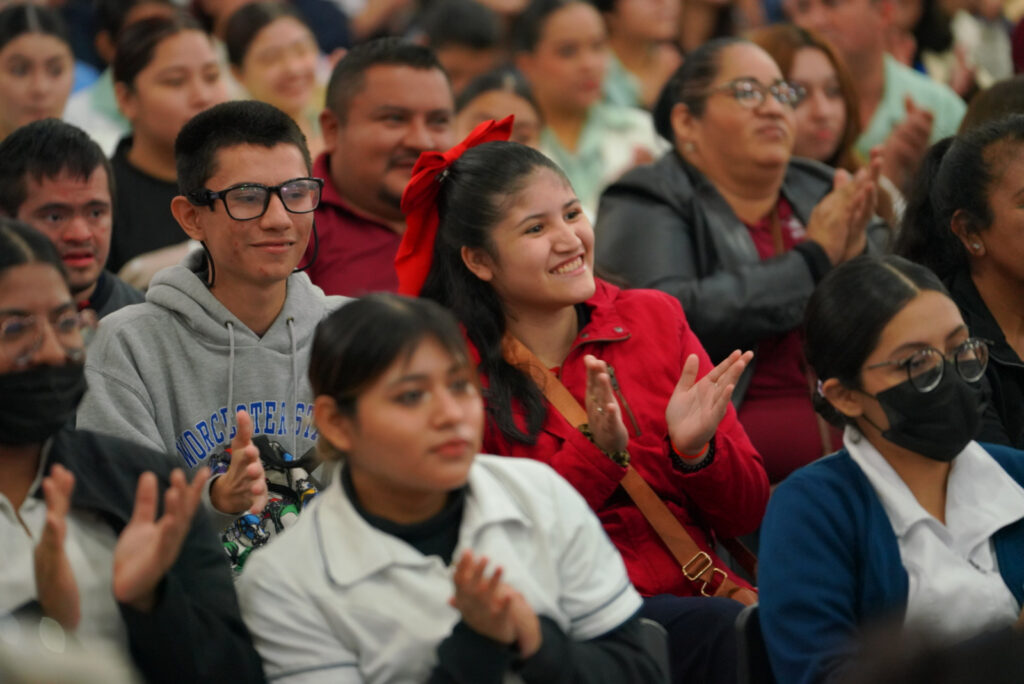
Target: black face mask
37, 402
937, 424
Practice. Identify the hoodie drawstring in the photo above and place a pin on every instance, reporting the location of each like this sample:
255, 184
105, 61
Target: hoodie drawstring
295, 387
231, 370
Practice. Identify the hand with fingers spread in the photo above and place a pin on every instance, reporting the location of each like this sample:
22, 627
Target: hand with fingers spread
55, 583
148, 547
863, 203
603, 412
698, 406
492, 608
244, 486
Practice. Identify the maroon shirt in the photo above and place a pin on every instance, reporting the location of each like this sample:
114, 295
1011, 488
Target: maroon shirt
777, 412
356, 254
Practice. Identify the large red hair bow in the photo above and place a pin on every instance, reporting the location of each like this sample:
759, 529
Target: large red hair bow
419, 204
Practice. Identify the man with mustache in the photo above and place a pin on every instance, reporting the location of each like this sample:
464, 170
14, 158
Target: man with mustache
56, 179
387, 101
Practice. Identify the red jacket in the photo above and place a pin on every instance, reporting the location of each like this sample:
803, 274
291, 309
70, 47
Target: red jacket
643, 335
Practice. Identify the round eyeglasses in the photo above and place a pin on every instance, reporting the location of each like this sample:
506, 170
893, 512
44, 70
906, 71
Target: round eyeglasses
751, 93
248, 201
925, 367
21, 336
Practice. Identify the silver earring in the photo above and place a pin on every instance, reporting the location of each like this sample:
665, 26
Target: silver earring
976, 246
689, 147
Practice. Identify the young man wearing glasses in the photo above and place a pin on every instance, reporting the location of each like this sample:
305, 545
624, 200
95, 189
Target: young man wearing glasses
228, 333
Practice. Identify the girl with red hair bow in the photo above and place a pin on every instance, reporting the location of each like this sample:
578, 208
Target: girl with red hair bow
607, 386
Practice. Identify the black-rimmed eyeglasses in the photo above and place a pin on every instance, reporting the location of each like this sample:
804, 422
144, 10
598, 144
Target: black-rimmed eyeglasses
926, 366
751, 93
247, 201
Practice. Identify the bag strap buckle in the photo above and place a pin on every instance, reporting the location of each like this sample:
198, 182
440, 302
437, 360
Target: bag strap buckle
702, 562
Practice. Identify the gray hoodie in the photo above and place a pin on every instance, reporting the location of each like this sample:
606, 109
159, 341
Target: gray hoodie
172, 372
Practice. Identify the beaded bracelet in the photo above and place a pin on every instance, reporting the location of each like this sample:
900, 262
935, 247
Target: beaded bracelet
619, 457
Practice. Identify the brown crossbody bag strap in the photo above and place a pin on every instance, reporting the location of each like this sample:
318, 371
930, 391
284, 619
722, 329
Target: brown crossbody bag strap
697, 565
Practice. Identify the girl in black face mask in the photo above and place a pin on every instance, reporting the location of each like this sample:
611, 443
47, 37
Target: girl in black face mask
912, 521
81, 540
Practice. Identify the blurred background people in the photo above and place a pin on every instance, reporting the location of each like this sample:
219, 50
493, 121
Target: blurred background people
562, 49
467, 38
165, 72
94, 109
641, 37
36, 66
274, 55
495, 95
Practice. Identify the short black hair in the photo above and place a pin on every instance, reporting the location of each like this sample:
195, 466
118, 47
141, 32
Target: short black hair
239, 122
248, 20
17, 20
461, 22
349, 74
110, 14
45, 149
137, 43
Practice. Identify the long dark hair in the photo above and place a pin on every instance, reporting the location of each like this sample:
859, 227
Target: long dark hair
17, 20
473, 197
138, 42
849, 309
956, 175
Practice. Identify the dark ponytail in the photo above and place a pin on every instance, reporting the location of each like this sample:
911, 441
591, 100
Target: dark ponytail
474, 193
955, 176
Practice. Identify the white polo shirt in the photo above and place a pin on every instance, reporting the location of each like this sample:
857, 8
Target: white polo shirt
337, 600
89, 545
955, 587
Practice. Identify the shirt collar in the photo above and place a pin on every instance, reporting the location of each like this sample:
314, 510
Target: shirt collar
354, 550
981, 497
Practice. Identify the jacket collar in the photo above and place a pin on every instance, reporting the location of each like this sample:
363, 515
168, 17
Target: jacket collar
606, 323
354, 550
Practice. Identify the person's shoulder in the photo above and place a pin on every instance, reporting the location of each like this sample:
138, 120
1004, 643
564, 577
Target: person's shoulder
636, 301
98, 453
826, 480
526, 481
922, 89
1011, 460
663, 179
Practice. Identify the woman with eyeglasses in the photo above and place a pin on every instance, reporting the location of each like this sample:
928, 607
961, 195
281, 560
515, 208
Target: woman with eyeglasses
740, 232
963, 221
912, 522
82, 543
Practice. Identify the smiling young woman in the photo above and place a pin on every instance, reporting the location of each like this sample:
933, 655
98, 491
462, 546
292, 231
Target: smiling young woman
513, 258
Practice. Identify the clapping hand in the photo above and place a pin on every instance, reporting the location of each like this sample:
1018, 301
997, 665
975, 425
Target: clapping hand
603, 413
698, 406
55, 583
244, 486
148, 546
492, 608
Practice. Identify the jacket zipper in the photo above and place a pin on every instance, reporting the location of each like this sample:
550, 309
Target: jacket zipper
622, 400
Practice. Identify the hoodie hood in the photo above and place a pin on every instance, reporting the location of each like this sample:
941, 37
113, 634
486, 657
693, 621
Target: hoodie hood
172, 373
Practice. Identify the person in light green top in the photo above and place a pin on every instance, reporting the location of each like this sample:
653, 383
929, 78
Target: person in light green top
562, 49
901, 82
642, 35
900, 109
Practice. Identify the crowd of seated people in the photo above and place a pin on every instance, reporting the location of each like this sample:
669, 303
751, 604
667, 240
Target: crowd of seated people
461, 341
